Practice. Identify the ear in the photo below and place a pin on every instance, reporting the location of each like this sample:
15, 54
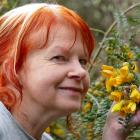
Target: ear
8, 97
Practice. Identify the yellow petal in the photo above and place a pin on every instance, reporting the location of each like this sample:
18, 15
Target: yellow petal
135, 95
105, 67
124, 70
131, 107
128, 107
108, 85
59, 132
113, 81
116, 96
130, 54
107, 73
123, 111
119, 80
87, 107
117, 107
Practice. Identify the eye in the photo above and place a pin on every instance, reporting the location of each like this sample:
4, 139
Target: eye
59, 59
83, 62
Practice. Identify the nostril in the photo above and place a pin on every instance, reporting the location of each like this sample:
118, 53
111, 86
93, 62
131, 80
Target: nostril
78, 75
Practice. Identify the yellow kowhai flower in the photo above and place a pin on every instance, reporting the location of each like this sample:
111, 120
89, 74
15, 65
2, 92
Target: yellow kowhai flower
117, 107
109, 83
58, 132
118, 80
128, 107
130, 54
127, 78
106, 67
116, 96
123, 111
124, 71
87, 107
125, 75
131, 107
107, 71
124, 107
135, 95
115, 78
115, 81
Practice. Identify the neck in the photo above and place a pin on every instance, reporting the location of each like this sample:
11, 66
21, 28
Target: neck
34, 120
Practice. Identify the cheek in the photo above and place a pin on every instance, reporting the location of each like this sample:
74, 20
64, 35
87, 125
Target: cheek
45, 78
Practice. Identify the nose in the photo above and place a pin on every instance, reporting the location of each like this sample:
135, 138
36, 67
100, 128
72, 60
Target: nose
77, 72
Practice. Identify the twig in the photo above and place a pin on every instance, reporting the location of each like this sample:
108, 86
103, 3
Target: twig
97, 30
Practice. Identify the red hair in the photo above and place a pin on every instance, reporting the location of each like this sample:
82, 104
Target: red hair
16, 27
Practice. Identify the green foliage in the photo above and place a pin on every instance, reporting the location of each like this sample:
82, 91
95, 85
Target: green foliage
119, 46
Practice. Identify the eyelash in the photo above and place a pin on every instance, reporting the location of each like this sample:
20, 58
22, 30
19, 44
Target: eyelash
59, 58
63, 59
83, 62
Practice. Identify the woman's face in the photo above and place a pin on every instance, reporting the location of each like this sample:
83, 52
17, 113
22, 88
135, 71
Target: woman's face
55, 77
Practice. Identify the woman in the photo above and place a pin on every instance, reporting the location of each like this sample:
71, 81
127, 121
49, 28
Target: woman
44, 51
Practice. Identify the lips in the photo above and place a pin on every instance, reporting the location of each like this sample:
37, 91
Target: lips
77, 89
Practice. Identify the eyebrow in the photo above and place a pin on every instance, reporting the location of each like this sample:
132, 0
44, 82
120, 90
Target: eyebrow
66, 50
63, 49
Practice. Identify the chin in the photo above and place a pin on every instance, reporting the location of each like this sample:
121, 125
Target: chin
72, 109
68, 106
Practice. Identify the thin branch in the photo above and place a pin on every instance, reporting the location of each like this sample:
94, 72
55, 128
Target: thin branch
97, 30
110, 29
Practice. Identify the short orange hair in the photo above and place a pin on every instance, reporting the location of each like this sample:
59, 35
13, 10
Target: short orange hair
15, 28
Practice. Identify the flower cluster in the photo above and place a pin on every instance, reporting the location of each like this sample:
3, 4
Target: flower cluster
122, 88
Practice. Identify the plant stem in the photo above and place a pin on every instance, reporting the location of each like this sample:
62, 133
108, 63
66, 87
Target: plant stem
97, 30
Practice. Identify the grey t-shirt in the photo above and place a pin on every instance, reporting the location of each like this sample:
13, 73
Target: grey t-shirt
11, 130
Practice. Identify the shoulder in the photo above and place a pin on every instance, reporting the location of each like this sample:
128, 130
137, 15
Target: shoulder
46, 136
4, 122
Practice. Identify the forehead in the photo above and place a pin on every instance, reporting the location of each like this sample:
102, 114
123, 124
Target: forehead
66, 36
64, 33
59, 34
